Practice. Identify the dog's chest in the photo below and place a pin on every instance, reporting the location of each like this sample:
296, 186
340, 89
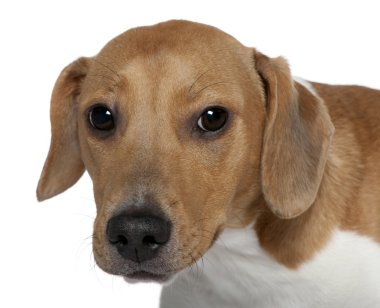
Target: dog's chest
236, 272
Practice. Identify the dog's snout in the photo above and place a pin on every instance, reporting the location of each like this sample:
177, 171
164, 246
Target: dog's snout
138, 237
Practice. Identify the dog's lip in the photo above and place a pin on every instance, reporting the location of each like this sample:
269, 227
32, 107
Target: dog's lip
147, 276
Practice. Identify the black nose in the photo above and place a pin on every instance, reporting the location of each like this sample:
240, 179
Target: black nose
138, 237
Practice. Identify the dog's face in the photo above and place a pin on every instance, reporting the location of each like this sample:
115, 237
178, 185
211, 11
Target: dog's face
180, 120
169, 121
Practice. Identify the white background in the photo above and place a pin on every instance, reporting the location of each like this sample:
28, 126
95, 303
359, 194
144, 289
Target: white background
45, 249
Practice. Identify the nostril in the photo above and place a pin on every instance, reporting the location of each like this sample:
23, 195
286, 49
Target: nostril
121, 240
151, 242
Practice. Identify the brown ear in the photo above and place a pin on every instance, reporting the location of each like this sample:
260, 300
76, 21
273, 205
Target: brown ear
296, 140
63, 165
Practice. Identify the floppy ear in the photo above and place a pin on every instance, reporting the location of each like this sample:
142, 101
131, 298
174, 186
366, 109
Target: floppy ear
63, 165
296, 140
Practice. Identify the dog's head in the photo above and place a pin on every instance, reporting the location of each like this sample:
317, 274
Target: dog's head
182, 130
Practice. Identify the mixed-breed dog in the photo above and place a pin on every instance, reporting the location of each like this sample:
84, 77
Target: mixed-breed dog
218, 174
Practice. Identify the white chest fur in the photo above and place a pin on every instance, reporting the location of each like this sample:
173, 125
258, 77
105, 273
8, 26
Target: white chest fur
236, 273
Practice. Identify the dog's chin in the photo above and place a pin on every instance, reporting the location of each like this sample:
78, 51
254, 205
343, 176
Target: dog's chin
144, 276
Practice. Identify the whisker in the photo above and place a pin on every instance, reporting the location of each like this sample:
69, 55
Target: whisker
92, 261
197, 79
86, 216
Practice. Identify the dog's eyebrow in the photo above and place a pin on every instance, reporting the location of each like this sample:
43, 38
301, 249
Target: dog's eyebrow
108, 68
194, 94
196, 80
211, 85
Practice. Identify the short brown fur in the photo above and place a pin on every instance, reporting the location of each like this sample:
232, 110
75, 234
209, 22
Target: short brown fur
278, 161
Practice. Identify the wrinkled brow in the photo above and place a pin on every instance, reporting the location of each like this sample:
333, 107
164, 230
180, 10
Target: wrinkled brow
206, 80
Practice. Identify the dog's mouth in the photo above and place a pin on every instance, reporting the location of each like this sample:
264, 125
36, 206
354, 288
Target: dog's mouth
145, 276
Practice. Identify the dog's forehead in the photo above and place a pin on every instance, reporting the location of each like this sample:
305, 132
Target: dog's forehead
181, 37
193, 44
175, 55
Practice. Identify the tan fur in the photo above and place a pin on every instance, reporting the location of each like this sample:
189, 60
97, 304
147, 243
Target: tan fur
277, 161
64, 166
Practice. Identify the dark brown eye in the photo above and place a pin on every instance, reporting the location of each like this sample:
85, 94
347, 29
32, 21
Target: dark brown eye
213, 119
101, 118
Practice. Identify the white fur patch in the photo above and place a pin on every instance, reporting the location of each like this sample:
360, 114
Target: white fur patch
236, 272
306, 84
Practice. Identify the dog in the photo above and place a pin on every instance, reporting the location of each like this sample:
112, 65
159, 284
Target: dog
218, 174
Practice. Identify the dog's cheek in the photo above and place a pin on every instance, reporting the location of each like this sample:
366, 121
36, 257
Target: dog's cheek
89, 146
243, 174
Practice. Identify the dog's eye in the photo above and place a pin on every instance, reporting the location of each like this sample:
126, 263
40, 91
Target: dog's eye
213, 119
101, 118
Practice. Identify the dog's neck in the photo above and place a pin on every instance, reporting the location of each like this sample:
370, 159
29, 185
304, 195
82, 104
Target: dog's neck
294, 241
